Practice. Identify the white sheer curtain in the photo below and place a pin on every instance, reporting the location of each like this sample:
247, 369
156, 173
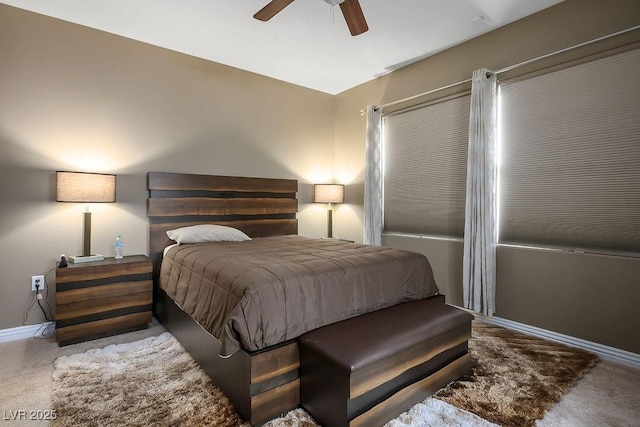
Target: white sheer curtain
373, 179
479, 268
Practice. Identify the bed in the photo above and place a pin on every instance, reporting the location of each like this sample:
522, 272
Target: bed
257, 366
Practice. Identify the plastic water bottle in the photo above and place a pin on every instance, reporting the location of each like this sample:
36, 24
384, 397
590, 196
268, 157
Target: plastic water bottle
119, 246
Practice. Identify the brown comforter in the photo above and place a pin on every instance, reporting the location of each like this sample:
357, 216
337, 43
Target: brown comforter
268, 290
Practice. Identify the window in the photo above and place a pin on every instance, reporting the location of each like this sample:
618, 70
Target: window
570, 163
425, 168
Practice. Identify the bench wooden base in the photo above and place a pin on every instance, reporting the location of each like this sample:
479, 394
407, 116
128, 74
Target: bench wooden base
367, 370
413, 394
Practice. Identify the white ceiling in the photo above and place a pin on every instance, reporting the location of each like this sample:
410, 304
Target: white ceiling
307, 44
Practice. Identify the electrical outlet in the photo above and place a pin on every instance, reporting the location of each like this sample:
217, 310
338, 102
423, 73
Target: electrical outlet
39, 280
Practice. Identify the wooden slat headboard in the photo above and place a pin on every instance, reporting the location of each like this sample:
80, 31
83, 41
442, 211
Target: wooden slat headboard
260, 207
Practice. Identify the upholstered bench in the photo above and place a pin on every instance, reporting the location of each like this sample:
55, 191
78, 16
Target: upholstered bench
367, 370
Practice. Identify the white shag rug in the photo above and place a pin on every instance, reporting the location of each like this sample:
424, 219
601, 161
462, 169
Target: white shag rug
154, 382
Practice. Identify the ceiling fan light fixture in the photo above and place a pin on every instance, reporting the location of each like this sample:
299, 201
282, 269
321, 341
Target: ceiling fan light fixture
334, 2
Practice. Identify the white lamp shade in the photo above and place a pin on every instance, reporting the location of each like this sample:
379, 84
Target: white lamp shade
328, 193
80, 187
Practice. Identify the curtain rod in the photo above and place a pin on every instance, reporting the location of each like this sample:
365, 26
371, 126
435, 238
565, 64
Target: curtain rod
566, 49
389, 104
509, 68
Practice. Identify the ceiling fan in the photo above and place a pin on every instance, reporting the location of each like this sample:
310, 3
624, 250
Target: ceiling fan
351, 11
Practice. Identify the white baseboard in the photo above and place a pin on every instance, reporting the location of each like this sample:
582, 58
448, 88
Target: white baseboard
612, 354
22, 332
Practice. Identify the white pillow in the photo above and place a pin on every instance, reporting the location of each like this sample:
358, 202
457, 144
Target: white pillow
207, 233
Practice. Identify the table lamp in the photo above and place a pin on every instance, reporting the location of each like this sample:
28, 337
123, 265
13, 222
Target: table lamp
81, 187
328, 193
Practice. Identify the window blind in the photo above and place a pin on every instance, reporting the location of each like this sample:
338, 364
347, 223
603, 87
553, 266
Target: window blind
425, 167
570, 163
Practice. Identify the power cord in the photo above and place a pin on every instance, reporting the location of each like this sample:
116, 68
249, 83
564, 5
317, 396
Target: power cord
26, 313
46, 296
42, 330
40, 333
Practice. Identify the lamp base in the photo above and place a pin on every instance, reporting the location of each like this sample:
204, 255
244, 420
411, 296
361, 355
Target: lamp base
79, 259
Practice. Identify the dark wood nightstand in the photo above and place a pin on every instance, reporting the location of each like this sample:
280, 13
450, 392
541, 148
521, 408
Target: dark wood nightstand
103, 298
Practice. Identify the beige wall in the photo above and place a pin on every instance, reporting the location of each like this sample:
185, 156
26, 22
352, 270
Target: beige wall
586, 296
73, 98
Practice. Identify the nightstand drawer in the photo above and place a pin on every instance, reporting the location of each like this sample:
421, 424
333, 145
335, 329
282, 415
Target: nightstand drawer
74, 313
97, 292
103, 298
102, 328
108, 271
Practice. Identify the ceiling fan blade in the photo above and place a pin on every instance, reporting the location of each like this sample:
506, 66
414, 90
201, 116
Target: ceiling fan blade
271, 9
355, 18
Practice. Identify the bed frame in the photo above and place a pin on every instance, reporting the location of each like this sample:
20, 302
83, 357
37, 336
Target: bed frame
263, 384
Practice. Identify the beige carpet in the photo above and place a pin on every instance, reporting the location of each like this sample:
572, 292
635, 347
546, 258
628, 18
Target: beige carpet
154, 382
